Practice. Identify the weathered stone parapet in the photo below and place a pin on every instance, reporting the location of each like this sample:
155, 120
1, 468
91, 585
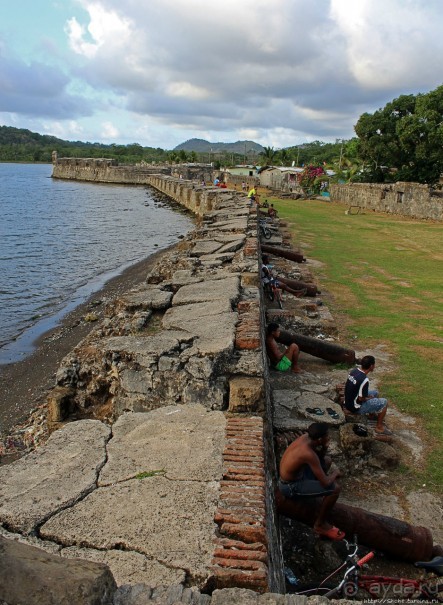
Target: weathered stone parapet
405, 199
103, 171
197, 198
106, 170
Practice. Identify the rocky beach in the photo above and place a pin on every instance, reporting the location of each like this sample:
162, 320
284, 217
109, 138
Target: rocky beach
25, 384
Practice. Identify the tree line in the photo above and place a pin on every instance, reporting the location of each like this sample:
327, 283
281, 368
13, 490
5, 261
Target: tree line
402, 141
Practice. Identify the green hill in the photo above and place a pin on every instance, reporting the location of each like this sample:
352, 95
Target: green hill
21, 145
202, 146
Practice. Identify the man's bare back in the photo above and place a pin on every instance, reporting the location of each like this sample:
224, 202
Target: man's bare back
299, 453
303, 474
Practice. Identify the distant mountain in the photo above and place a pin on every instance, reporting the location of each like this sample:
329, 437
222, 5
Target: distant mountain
202, 146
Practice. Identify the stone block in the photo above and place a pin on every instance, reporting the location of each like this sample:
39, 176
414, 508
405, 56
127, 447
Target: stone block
383, 456
59, 404
54, 476
167, 521
354, 445
185, 442
246, 394
30, 575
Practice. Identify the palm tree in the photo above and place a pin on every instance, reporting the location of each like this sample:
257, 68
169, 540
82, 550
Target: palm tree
268, 154
284, 157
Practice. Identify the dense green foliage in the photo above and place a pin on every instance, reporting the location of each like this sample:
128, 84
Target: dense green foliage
20, 145
403, 141
384, 274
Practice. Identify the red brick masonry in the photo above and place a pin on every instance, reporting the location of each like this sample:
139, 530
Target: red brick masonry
247, 333
240, 555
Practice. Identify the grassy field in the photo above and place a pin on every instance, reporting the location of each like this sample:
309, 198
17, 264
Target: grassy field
386, 277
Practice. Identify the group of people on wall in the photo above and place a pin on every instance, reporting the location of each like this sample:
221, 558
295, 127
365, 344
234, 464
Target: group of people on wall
306, 472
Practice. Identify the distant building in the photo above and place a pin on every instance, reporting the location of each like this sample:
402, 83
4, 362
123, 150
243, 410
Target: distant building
280, 178
246, 170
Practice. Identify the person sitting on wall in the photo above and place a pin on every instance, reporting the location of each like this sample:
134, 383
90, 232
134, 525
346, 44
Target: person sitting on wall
304, 474
272, 212
281, 361
268, 276
360, 400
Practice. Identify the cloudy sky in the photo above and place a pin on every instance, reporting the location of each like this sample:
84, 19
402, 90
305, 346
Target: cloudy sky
158, 72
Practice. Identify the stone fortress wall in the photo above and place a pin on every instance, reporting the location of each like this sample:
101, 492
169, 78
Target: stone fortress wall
178, 369
161, 462
109, 171
405, 199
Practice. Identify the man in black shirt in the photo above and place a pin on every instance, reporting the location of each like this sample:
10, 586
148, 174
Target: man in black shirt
360, 400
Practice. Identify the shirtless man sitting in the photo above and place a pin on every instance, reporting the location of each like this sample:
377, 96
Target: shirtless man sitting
281, 361
303, 475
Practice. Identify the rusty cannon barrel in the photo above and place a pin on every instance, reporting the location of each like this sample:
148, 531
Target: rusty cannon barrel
318, 348
396, 538
295, 284
284, 253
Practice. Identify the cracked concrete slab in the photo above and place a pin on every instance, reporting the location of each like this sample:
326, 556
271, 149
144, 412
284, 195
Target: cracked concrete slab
214, 334
209, 290
178, 316
211, 323
204, 247
129, 567
231, 246
168, 521
185, 442
225, 257
53, 476
154, 344
149, 297
184, 277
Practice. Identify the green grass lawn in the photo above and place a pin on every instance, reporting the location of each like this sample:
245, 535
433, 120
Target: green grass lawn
385, 274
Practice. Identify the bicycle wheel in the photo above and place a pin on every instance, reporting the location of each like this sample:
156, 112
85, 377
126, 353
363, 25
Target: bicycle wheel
267, 234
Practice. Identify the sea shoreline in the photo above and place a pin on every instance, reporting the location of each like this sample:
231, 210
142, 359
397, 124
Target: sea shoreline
25, 384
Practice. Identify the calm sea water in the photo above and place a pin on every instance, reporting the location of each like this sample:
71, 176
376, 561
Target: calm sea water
62, 240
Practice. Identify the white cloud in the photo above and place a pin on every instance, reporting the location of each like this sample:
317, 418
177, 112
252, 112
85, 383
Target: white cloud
109, 131
105, 27
392, 44
168, 70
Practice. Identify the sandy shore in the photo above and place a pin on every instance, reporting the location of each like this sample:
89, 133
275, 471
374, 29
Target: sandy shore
24, 385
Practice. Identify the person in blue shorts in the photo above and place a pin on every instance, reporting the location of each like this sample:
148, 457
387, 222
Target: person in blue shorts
281, 361
360, 400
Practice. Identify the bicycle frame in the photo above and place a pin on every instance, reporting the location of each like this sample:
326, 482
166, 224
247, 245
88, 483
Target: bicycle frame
383, 588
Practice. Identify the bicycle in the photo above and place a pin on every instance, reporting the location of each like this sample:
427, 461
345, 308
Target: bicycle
383, 588
272, 291
264, 229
